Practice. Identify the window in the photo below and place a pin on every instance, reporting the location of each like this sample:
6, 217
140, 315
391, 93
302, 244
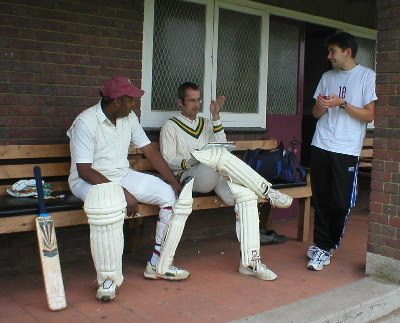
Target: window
231, 48
219, 46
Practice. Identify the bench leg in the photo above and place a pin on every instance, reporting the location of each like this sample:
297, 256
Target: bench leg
303, 226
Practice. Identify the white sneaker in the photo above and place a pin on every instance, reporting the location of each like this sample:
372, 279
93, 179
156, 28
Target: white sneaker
312, 249
319, 259
106, 290
173, 273
259, 270
278, 199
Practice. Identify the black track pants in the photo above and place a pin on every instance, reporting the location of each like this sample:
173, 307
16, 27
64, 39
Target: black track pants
333, 184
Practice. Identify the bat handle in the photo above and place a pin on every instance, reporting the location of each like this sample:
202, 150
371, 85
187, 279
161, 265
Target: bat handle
39, 188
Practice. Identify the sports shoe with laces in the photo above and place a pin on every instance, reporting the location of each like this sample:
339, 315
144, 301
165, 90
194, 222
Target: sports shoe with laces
173, 273
312, 249
278, 199
319, 259
257, 269
106, 290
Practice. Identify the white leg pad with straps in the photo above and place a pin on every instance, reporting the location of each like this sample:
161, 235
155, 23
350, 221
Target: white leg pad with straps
248, 229
182, 209
105, 206
239, 172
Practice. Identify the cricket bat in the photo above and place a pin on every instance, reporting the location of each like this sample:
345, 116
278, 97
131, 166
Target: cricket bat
48, 251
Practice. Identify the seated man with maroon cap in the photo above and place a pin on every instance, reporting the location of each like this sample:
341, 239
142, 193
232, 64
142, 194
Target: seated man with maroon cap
100, 175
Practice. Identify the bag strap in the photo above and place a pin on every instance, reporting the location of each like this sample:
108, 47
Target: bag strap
250, 157
299, 168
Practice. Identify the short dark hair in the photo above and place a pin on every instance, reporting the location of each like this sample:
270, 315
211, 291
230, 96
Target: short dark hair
105, 99
183, 87
344, 41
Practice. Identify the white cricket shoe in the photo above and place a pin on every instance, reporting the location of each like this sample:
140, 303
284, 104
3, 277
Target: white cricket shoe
278, 199
173, 273
259, 270
106, 290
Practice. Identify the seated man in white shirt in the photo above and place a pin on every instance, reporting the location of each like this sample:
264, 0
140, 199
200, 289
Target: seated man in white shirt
100, 175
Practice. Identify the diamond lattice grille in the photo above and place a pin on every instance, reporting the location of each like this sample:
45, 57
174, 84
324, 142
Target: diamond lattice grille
366, 52
178, 50
282, 68
238, 60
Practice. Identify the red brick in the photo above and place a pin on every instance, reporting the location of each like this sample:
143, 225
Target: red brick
397, 255
4, 110
385, 89
394, 221
376, 207
373, 248
395, 199
388, 231
376, 239
391, 188
379, 218
377, 186
375, 228
393, 78
387, 252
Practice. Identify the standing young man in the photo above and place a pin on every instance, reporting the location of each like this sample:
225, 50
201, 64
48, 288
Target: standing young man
101, 177
345, 103
186, 133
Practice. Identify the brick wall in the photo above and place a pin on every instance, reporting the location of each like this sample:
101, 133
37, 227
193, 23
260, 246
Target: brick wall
54, 57
383, 258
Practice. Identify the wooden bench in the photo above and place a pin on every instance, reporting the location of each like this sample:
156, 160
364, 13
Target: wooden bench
18, 214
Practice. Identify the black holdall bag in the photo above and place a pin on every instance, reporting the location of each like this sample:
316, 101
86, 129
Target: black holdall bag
278, 166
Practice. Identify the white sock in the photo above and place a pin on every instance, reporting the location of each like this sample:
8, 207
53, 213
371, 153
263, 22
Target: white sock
155, 255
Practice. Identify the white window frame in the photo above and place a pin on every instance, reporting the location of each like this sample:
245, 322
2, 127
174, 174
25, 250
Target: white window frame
156, 118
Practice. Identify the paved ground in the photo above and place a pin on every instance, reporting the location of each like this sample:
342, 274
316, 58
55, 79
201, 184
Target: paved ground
215, 291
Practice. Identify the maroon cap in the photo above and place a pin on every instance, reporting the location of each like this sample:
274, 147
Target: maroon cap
119, 86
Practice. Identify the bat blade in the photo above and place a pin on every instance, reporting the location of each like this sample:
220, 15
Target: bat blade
48, 250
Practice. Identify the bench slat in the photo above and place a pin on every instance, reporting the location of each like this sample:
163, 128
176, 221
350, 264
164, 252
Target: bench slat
365, 164
369, 142
254, 144
34, 151
26, 171
367, 153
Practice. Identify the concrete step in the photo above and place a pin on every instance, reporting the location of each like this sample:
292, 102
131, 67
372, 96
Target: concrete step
393, 317
363, 301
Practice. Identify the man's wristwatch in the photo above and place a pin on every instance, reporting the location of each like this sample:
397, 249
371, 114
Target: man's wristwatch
343, 106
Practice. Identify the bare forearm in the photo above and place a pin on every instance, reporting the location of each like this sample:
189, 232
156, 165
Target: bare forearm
318, 112
156, 159
366, 114
90, 175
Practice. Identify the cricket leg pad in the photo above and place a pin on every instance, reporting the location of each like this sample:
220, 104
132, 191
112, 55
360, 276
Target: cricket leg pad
105, 206
248, 229
241, 173
173, 233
